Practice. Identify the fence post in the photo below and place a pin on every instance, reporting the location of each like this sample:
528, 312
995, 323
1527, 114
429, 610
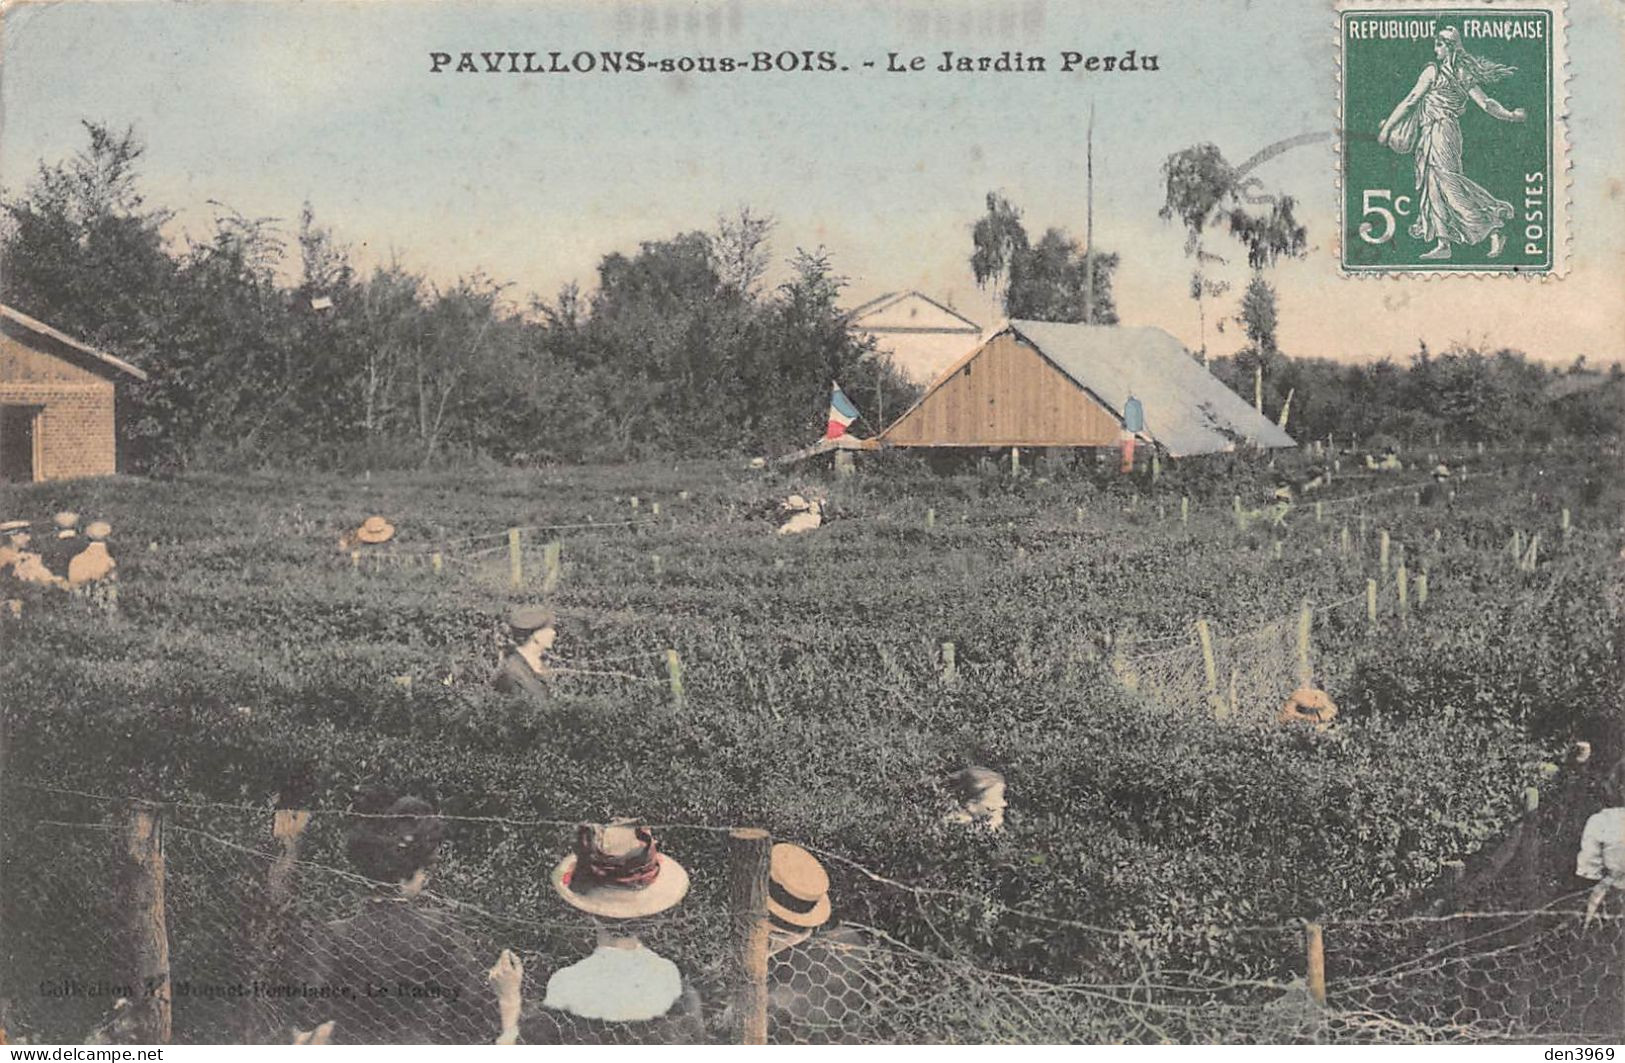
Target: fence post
1306, 625
1371, 602
1343, 540
1235, 505
1529, 866
1565, 525
437, 562
146, 929
1210, 670
656, 563
950, 672
1402, 585
1422, 589
516, 559
551, 567
674, 673
750, 853
1319, 511
355, 560
1314, 947
1184, 509
930, 518
1382, 551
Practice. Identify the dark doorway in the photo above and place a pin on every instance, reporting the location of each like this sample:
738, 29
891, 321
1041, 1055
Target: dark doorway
17, 443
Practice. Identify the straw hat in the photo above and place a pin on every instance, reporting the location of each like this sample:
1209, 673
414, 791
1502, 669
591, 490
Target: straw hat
797, 887
1308, 705
98, 529
529, 618
1441, 471
617, 872
65, 519
375, 529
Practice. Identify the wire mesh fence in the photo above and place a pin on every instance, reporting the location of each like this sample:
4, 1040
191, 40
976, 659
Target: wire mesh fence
268, 929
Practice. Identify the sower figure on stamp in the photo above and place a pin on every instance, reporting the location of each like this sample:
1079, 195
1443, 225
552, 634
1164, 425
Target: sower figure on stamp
1450, 208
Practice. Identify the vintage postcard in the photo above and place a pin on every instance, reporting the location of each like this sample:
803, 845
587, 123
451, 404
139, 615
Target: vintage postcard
547, 522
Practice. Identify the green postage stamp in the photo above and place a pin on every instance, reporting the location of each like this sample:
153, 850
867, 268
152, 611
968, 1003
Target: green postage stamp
1454, 158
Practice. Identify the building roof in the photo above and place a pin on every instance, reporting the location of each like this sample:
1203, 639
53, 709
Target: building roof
885, 302
62, 339
1187, 409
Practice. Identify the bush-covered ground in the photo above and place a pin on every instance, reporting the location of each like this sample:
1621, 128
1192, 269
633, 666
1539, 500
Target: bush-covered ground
249, 658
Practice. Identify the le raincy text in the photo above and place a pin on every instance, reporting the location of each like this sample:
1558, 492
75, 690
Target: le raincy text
790, 61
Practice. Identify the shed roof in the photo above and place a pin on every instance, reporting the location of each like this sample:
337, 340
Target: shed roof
1187, 409
100, 359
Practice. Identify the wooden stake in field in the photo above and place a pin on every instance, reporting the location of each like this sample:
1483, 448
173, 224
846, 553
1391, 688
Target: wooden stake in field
1402, 585
1314, 943
1534, 551
750, 852
1343, 540
1235, 504
552, 566
1382, 551
516, 559
1421, 589
674, 676
437, 562
1319, 511
1306, 626
930, 518
1184, 509
1371, 602
950, 670
657, 564
1210, 668
146, 929
1078, 515
1563, 523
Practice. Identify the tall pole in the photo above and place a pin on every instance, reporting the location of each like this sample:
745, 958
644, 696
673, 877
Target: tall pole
1089, 226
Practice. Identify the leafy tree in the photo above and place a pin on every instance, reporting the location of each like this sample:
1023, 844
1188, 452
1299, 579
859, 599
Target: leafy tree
1046, 281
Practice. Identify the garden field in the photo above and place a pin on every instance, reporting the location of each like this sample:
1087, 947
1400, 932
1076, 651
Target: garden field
718, 675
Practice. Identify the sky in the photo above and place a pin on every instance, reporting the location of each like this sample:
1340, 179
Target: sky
533, 178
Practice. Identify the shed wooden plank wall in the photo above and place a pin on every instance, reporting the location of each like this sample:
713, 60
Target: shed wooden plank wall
1007, 395
76, 425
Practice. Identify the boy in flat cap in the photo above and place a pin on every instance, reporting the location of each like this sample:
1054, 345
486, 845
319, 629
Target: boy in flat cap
534, 629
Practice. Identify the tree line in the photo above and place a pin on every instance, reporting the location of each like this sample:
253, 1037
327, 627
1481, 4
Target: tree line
270, 347
682, 349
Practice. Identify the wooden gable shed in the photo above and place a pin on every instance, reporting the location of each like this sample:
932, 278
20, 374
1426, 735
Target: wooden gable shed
57, 403
1042, 384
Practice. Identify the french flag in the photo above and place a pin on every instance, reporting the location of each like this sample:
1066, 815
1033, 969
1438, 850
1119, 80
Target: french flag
841, 413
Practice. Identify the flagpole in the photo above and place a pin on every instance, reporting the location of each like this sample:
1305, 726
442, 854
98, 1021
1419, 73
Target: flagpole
1089, 228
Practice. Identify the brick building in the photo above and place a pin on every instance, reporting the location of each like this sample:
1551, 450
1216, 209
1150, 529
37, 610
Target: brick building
57, 402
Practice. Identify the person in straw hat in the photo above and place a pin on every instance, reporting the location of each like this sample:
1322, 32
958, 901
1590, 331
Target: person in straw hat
372, 532
525, 670
20, 565
410, 968
821, 979
623, 992
93, 564
1308, 705
57, 550
1438, 492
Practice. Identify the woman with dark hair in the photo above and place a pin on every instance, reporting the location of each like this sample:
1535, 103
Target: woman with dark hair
400, 970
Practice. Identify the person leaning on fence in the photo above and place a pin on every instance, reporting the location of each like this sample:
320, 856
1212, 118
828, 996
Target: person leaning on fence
525, 670
623, 992
1308, 706
977, 799
1438, 492
400, 970
1601, 860
823, 982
